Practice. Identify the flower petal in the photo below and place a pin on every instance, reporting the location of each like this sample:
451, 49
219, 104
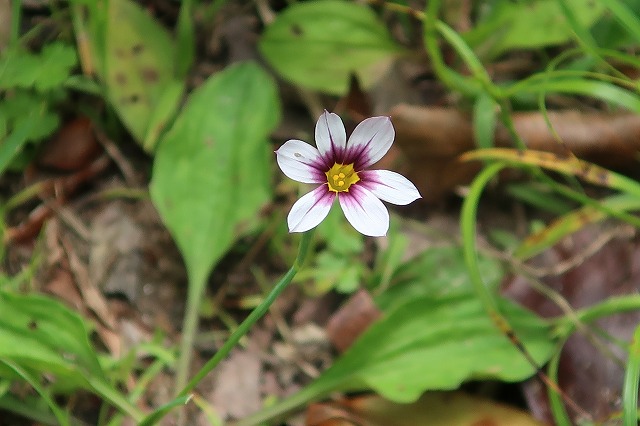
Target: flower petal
370, 141
331, 138
301, 162
310, 210
389, 186
364, 211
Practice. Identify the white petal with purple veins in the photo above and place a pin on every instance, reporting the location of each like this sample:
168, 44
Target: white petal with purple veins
364, 211
310, 210
300, 161
389, 186
331, 137
370, 141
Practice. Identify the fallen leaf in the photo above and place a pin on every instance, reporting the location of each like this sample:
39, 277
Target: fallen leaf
587, 361
73, 147
432, 409
352, 319
432, 138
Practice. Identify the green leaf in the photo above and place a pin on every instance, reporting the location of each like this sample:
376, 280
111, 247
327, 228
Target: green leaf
212, 170
25, 106
12, 145
320, 44
437, 272
428, 343
44, 71
138, 66
439, 343
42, 335
163, 114
530, 25
24, 117
484, 120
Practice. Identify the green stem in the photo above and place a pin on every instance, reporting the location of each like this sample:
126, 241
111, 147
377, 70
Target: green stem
185, 53
276, 412
614, 305
16, 17
253, 317
452, 79
189, 330
468, 230
631, 378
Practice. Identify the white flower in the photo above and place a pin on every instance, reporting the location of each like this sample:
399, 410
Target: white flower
339, 167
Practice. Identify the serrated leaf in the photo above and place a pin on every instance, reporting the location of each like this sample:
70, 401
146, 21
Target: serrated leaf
57, 62
42, 335
531, 24
44, 71
138, 65
438, 343
211, 170
320, 44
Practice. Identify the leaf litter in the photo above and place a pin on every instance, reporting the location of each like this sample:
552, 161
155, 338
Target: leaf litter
128, 277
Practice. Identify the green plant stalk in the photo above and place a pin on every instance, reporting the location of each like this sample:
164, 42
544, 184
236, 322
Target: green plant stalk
449, 77
625, 16
565, 325
232, 341
186, 51
468, 230
116, 398
141, 386
631, 379
18, 406
189, 328
613, 305
254, 316
61, 416
16, 17
560, 415
292, 403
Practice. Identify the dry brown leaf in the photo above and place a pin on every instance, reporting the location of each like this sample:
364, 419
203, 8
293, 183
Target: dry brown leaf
432, 409
352, 319
73, 147
591, 369
432, 138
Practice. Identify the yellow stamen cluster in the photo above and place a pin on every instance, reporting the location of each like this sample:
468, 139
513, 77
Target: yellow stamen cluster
341, 176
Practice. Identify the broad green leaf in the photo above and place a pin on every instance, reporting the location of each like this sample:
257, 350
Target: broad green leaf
138, 66
41, 335
320, 44
429, 343
44, 71
530, 25
439, 343
212, 169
